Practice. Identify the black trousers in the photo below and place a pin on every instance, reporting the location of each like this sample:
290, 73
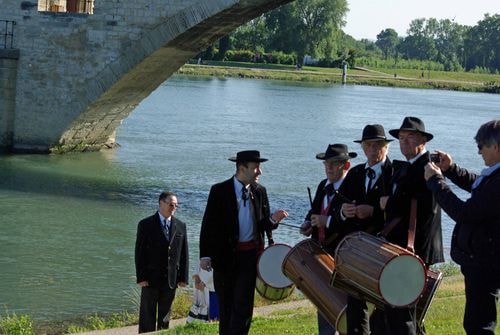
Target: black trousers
357, 317
235, 290
155, 308
361, 321
400, 321
481, 299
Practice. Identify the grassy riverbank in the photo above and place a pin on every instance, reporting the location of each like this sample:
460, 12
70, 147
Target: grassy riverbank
444, 316
458, 81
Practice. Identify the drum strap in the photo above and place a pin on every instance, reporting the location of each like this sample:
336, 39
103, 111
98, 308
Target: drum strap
412, 225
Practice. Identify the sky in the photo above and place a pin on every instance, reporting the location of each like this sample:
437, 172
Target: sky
367, 18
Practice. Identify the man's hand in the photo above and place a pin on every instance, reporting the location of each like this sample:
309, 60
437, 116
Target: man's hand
279, 215
144, 283
364, 211
319, 220
348, 210
445, 160
430, 170
306, 228
182, 284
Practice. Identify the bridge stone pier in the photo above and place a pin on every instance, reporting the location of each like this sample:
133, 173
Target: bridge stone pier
68, 79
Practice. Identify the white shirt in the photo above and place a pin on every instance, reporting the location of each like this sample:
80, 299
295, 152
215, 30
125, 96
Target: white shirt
245, 220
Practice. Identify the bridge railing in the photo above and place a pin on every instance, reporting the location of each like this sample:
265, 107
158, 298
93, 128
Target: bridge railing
7, 34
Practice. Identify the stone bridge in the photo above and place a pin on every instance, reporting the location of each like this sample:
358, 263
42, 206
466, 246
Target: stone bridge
69, 76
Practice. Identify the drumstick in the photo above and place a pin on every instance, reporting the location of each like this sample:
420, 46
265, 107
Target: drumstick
290, 225
310, 197
346, 199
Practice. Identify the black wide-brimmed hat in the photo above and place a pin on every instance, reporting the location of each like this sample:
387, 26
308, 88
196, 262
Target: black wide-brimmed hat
412, 123
336, 152
248, 156
373, 132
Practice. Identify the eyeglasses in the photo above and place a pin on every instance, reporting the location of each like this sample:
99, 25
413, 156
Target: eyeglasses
172, 204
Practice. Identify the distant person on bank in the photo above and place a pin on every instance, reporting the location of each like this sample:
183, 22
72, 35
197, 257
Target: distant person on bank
161, 263
475, 243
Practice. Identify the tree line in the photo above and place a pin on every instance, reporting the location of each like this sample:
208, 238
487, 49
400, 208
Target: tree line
314, 28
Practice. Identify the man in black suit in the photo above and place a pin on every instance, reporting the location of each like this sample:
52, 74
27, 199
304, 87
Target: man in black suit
408, 183
161, 263
232, 236
320, 220
365, 184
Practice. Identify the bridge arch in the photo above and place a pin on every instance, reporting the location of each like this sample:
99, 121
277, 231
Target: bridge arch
79, 76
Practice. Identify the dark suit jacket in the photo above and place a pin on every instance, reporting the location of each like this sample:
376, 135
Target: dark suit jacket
219, 228
157, 260
337, 229
476, 236
355, 190
409, 183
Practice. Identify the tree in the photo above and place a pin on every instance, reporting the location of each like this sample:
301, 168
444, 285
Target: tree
449, 41
251, 36
387, 41
307, 26
419, 44
482, 44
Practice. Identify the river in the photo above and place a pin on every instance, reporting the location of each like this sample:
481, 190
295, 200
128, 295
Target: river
68, 222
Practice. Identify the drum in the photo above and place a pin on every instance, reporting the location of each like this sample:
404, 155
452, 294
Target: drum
271, 283
310, 268
380, 272
432, 283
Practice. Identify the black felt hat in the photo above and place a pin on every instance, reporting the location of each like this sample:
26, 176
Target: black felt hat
412, 123
373, 132
248, 156
337, 152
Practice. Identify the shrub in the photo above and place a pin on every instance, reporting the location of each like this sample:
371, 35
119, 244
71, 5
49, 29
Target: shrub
240, 56
16, 325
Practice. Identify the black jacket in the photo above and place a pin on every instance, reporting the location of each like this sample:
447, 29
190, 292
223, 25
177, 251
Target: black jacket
157, 260
476, 236
336, 230
220, 229
408, 182
355, 190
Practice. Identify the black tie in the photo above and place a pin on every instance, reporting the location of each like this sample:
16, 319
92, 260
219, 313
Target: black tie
370, 173
329, 190
244, 195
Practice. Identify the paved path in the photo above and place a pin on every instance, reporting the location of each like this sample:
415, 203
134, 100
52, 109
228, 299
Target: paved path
258, 311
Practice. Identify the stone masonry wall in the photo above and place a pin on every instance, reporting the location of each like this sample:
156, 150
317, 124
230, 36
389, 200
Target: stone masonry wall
80, 75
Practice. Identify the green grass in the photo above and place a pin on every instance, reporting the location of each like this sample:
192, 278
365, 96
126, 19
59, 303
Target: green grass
459, 81
444, 317
16, 325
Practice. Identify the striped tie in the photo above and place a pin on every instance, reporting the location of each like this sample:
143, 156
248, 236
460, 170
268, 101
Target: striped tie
166, 229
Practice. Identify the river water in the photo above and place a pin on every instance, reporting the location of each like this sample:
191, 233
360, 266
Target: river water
68, 222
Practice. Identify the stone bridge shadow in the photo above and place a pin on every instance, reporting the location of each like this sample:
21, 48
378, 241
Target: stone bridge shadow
79, 76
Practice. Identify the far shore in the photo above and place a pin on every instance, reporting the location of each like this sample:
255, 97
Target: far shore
357, 76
